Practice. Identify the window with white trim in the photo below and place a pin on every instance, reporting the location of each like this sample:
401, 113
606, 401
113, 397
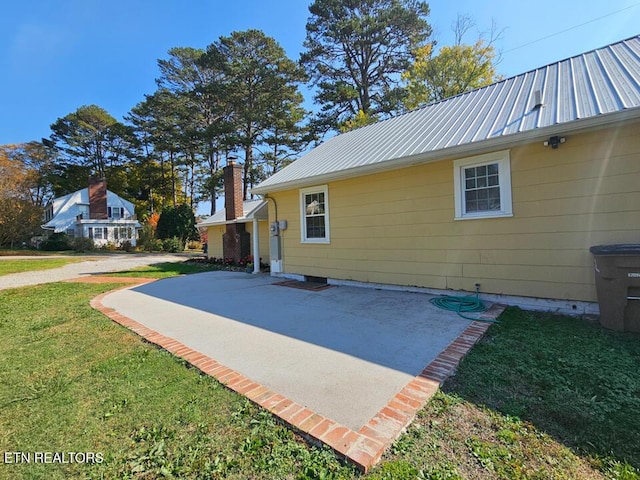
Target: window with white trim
482, 186
314, 212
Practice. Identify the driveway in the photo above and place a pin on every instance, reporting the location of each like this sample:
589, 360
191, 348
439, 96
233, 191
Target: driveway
342, 352
92, 265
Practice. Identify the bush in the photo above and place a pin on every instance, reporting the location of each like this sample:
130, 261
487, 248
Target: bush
109, 247
173, 245
177, 221
83, 244
126, 246
56, 241
194, 245
153, 245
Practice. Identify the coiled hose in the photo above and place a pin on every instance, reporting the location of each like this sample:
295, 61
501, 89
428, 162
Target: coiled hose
462, 305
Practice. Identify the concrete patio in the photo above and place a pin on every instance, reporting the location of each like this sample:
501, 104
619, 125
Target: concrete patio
349, 366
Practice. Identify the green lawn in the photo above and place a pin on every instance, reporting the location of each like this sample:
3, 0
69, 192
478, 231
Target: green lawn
28, 265
163, 270
30, 252
539, 397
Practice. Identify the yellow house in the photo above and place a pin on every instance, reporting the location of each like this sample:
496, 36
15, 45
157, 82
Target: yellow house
254, 213
503, 189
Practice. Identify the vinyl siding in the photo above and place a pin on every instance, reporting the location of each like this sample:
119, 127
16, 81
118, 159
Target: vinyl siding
397, 227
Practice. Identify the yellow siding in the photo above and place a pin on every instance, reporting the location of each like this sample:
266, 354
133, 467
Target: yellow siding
214, 248
214, 241
397, 227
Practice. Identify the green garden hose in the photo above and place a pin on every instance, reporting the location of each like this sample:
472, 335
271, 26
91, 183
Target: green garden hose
462, 305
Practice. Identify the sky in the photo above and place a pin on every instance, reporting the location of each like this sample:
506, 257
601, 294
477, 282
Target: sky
57, 55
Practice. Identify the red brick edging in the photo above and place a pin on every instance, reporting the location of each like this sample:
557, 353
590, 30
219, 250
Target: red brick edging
365, 447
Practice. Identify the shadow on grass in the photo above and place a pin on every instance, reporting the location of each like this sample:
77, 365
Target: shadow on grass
570, 378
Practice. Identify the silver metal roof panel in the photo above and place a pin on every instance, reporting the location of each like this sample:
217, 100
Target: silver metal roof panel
589, 87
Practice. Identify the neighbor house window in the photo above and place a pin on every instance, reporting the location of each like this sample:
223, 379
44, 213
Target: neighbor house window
115, 212
483, 186
314, 209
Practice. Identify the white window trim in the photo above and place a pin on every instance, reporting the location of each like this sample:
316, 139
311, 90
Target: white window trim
303, 219
504, 171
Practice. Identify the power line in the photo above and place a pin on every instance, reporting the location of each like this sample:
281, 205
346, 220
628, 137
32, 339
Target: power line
570, 28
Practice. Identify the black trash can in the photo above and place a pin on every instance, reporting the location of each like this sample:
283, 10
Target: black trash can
617, 270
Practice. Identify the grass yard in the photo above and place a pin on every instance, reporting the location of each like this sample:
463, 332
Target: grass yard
164, 270
28, 265
539, 397
73, 381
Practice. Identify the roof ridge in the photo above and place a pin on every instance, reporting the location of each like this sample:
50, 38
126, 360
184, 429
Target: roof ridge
543, 67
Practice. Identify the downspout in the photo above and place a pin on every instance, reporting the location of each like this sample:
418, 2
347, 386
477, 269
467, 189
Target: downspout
275, 205
256, 247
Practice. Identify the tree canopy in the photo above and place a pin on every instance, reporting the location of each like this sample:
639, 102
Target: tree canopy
453, 70
22, 193
89, 142
240, 98
178, 222
356, 51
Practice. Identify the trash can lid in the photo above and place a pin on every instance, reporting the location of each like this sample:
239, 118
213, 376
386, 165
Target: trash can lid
618, 249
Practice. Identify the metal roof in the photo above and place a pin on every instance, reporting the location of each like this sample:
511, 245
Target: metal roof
251, 209
585, 91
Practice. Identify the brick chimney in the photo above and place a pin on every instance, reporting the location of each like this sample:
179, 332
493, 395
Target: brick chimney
98, 198
233, 191
235, 240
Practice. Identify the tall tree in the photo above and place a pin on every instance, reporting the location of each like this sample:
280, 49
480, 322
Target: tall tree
196, 80
36, 162
89, 141
262, 88
159, 122
285, 136
453, 69
356, 51
20, 211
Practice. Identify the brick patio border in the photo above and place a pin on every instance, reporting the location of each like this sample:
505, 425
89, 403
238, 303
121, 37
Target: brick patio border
364, 447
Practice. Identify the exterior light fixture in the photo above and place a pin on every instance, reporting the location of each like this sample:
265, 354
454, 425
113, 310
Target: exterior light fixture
554, 141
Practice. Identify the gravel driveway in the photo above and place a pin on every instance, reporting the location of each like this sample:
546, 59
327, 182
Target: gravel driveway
91, 266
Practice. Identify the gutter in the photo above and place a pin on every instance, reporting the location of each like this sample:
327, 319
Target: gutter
468, 149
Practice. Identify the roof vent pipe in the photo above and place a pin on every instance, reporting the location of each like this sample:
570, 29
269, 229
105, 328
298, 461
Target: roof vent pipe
537, 99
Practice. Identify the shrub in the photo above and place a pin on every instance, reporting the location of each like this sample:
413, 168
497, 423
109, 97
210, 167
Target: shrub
153, 245
83, 244
56, 241
146, 235
126, 246
109, 247
177, 221
194, 245
173, 245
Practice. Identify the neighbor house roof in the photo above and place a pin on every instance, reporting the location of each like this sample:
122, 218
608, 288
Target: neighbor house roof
65, 211
252, 209
586, 91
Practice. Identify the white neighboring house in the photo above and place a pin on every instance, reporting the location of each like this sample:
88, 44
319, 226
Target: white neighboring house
95, 213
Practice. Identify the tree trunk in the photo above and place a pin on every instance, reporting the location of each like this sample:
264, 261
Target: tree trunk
173, 179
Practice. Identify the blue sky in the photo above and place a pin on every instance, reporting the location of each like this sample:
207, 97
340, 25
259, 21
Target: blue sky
58, 55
